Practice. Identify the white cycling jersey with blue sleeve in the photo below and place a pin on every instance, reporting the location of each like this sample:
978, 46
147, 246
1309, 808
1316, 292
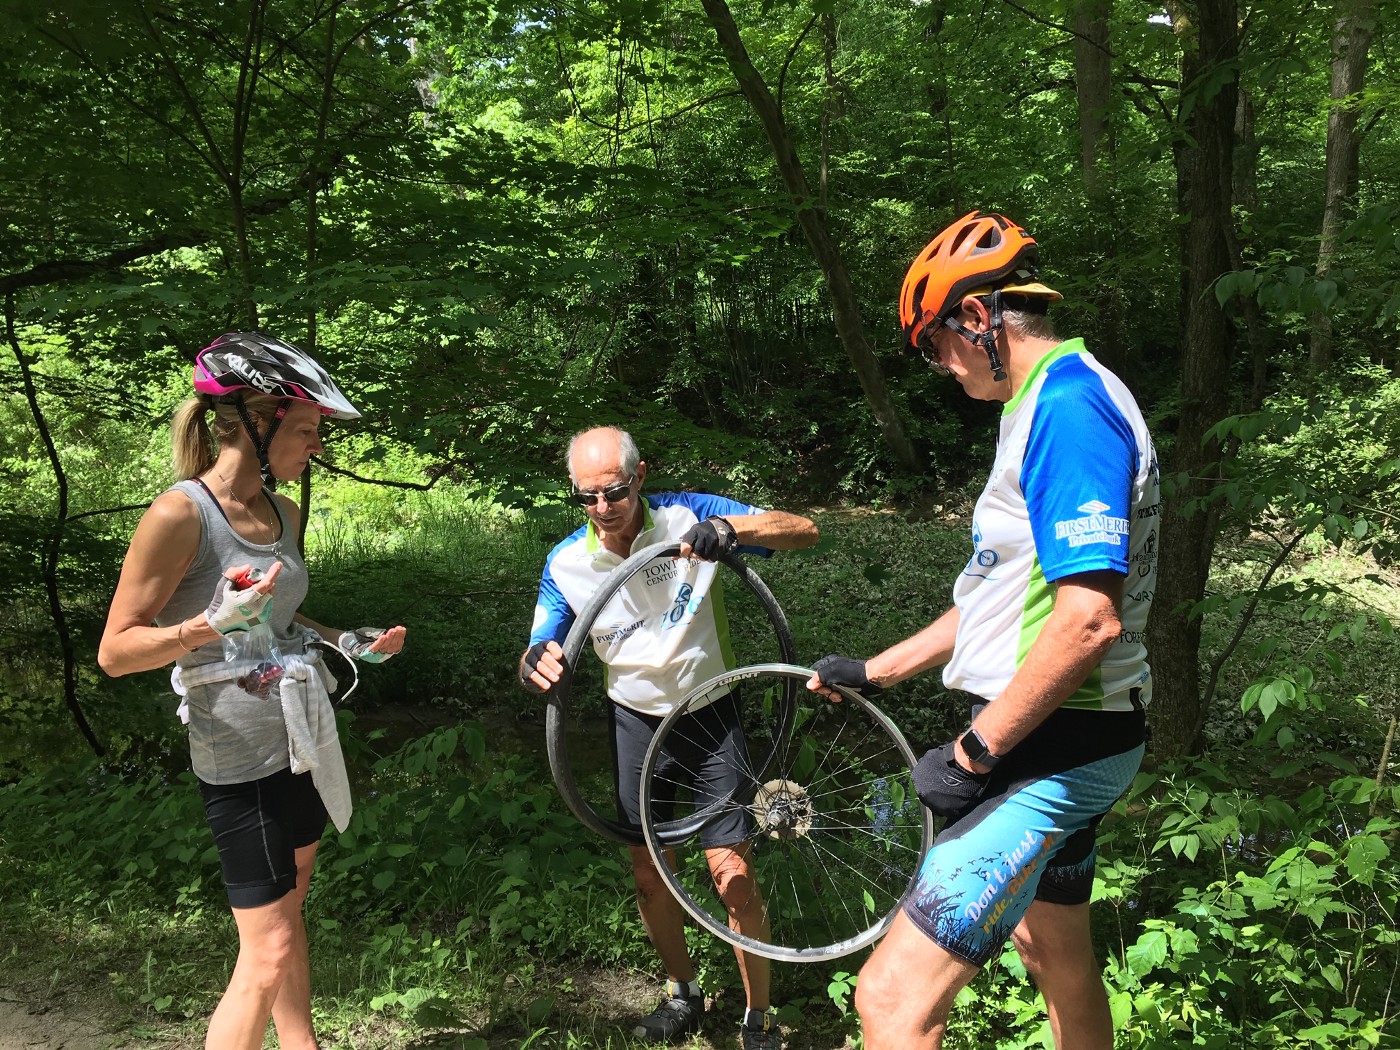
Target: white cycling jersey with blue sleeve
1075, 488
666, 631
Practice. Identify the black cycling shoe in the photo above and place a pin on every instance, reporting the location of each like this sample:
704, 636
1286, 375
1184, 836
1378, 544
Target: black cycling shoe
675, 1016
766, 1037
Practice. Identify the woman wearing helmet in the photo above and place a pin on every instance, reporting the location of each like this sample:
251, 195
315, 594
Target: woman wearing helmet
1044, 640
213, 557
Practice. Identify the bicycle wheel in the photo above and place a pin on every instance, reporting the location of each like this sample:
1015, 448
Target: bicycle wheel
832, 829
563, 721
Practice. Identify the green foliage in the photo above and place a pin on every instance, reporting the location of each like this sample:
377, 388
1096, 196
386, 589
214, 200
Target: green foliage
1360, 287
451, 567
1326, 462
500, 225
873, 580
1287, 940
453, 869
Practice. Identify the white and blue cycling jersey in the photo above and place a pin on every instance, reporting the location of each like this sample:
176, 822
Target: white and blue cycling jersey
666, 631
1074, 489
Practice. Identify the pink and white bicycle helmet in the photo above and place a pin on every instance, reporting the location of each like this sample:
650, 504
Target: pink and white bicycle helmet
256, 361
268, 365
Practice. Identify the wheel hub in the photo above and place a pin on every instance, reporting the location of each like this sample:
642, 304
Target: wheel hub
783, 809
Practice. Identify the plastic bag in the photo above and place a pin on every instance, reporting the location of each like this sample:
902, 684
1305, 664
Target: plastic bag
258, 647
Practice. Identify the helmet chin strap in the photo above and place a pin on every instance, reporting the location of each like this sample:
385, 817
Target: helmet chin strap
261, 445
986, 340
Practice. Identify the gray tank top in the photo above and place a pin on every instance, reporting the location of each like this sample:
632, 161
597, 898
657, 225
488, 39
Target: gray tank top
235, 737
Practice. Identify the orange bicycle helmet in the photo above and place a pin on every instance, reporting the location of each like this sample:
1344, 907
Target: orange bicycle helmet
983, 252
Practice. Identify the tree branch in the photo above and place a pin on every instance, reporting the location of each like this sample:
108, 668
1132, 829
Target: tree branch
109, 510
1057, 27
792, 53
1245, 618
54, 547
54, 271
417, 486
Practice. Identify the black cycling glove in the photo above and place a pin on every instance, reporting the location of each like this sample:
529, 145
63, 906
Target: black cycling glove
944, 786
711, 538
528, 665
848, 671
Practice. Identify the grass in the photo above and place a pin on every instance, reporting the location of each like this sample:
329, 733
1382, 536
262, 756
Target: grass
464, 908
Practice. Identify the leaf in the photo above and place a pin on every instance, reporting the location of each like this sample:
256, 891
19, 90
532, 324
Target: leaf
539, 1009
876, 573
1148, 953
1280, 690
1120, 1005
1323, 1034
1332, 976
1363, 855
434, 1011
1185, 845
454, 857
1326, 293
1226, 287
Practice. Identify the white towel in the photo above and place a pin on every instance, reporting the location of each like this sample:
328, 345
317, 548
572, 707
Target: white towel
311, 735
313, 743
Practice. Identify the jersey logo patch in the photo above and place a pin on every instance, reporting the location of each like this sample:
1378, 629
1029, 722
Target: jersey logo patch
1094, 527
982, 557
684, 608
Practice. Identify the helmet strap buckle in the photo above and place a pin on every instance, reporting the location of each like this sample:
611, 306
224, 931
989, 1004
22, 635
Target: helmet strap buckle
986, 340
261, 445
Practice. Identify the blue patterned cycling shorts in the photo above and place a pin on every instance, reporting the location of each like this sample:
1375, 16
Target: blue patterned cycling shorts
1030, 835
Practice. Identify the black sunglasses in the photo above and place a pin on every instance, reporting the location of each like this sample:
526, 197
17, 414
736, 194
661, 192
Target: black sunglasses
613, 493
928, 351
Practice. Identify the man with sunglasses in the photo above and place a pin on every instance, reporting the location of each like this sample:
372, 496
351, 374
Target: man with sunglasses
1044, 640
668, 642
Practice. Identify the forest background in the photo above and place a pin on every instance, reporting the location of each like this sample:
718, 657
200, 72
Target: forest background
498, 223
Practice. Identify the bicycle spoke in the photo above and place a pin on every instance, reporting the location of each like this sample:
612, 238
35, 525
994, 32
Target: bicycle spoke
561, 722
835, 832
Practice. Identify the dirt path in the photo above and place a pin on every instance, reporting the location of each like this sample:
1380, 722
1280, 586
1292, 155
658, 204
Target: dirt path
25, 1025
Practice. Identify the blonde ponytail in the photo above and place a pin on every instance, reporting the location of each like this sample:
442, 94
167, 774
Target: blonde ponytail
191, 443
195, 444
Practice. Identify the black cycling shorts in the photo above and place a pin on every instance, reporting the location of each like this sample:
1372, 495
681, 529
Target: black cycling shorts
704, 750
258, 827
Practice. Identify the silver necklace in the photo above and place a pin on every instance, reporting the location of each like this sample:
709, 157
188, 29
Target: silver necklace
271, 522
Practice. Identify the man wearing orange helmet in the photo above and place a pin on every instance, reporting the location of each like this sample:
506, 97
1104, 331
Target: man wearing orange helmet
1045, 639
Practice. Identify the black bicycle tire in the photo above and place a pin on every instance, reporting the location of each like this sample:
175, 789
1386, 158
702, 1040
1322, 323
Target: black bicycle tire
556, 711
705, 917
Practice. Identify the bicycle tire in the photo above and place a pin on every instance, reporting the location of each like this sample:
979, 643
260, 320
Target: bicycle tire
835, 820
557, 710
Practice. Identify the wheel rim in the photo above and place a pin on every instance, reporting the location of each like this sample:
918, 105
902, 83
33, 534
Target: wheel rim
557, 713
835, 832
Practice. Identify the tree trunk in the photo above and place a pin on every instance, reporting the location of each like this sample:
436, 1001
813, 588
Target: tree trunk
830, 102
1246, 154
845, 306
1093, 80
1246, 176
940, 109
1351, 39
1209, 33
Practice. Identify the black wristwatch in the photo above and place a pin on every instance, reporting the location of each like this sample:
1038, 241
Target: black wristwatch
977, 749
